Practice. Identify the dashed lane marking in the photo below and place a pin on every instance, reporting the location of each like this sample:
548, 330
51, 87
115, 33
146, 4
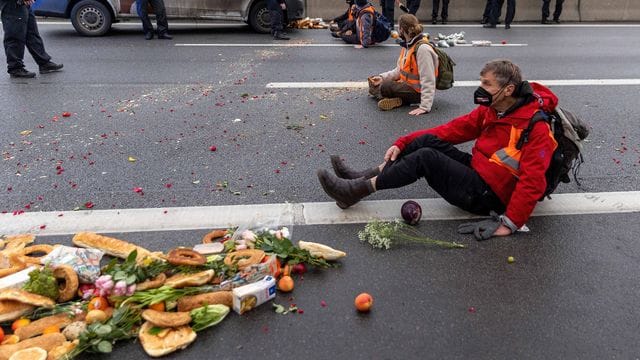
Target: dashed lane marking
322, 45
472, 83
308, 213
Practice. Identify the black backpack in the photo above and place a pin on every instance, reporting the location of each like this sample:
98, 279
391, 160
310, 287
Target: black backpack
569, 131
381, 28
444, 80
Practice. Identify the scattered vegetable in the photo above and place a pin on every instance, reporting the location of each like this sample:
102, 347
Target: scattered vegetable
98, 303
20, 323
207, 316
285, 284
411, 212
42, 282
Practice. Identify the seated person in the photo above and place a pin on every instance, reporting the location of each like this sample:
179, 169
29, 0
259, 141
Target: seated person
343, 22
363, 32
413, 81
495, 177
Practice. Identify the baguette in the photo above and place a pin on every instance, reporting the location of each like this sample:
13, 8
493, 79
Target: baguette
46, 342
110, 246
188, 303
37, 327
179, 281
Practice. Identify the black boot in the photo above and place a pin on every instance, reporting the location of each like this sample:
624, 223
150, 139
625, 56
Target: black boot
345, 192
344, 172
50, 67
22, 73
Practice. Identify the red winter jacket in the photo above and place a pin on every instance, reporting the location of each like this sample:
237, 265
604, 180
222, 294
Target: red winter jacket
519, 189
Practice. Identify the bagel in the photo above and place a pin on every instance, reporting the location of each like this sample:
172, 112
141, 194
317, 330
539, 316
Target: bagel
154, 283
68, 280
215, 234
244, 258
42, 248
184, 256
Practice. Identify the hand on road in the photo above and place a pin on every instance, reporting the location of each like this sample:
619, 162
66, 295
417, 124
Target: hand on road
392, 153
418, 111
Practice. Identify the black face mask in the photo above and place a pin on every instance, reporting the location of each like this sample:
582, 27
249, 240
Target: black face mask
484, 98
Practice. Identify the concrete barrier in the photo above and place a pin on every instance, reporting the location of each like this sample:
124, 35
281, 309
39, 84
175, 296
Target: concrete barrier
526, 10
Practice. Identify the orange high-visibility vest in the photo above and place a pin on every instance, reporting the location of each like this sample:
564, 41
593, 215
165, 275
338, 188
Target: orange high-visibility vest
509, 157
408, 65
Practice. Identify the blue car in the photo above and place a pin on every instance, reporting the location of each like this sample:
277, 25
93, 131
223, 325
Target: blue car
95, 17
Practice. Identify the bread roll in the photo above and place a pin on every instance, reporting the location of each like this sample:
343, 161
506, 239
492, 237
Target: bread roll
173, 340
11, 310
110, 246
188, 303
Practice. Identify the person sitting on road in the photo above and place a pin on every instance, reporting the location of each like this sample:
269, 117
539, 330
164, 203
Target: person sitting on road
414, 78
363, 34
343, 22
495, 177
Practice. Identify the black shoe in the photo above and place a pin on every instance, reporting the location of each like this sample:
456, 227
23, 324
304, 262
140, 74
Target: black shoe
507, 26
557, 21
165, 36
50, 67
444, 21
484, 21
434, 21
148, 36
345, 192
489, 26
545, 21
344, 172
278, 35
22, 73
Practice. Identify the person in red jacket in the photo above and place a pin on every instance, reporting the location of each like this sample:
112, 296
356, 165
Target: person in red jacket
495, 177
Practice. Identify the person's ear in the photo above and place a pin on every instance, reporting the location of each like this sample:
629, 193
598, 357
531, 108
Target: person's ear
510, 90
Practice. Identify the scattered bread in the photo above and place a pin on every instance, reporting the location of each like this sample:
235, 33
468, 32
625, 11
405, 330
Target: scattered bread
110, 246
46, 342
174, 339
36, 328
179, 281
166, 319
26, 298
12, 310
188, 303
59, 352
34, 353
154, 283
68, 280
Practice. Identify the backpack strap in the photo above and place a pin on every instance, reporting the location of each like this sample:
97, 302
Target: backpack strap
524, 137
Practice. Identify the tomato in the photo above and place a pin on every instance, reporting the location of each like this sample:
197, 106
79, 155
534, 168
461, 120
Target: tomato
20, 323
98, 303
159, 306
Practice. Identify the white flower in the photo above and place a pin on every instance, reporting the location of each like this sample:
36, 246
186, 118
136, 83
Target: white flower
248, 235
285, 232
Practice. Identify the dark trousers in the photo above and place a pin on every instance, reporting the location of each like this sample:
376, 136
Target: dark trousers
414, 5
275, 14
388, 8
161, 16
20, 30
556, 13
445, 9
489, 7
495, 8
448, 172
393, 89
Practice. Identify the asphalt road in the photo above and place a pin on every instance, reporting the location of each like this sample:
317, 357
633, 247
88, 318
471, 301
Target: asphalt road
570, 294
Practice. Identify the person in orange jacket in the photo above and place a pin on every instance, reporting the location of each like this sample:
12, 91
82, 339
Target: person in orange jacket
365, 21
495, 177
413, 80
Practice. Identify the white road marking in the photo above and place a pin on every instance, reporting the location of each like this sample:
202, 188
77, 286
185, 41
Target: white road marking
471, 83
318, 213
322, 45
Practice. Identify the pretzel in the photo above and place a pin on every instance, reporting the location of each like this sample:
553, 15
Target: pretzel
42, 248
183, 256
215, 234
244, 258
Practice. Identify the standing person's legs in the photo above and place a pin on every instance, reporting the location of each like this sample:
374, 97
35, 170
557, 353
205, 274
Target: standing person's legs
558, 11
14, 25
275, 15
147, 27
434, 11
446, 170
511, 13
413, 6
388, 8
545, 9
487, 13
162, 26
34, 42
445, 11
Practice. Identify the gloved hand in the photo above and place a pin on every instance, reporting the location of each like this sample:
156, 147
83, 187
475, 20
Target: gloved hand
482, 230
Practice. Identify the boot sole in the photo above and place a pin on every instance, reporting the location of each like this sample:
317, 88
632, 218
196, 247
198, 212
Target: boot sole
389, 103
49, 71
22, 76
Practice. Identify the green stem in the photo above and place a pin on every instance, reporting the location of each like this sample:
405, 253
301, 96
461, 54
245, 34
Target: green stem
427, 240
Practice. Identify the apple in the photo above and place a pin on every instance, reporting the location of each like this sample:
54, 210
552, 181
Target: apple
363, 302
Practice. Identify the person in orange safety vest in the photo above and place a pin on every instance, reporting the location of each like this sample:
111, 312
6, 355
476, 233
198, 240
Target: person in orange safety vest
495, 178
413, 80
365, 22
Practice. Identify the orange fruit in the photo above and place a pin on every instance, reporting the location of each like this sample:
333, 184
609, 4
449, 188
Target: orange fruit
98, 303
159, 306
285, 284
10, 340
1, 335
20, 323
51, 330
363, 302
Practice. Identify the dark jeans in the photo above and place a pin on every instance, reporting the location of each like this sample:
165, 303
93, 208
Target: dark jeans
445, 9
388, 8
275, 14
161, 16
495, 8
20, 30
448, 172
393, 89
414, 5
556, 13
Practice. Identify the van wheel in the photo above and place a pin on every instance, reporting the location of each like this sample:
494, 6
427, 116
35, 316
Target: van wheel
259, 18
91, 18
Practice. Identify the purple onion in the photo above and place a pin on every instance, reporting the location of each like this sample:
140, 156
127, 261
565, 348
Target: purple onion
411, 212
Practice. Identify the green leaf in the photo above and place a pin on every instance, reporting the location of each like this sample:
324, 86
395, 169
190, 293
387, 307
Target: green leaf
155, 330
131, 279
132, 256
103, 330
105, 347
278, 308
